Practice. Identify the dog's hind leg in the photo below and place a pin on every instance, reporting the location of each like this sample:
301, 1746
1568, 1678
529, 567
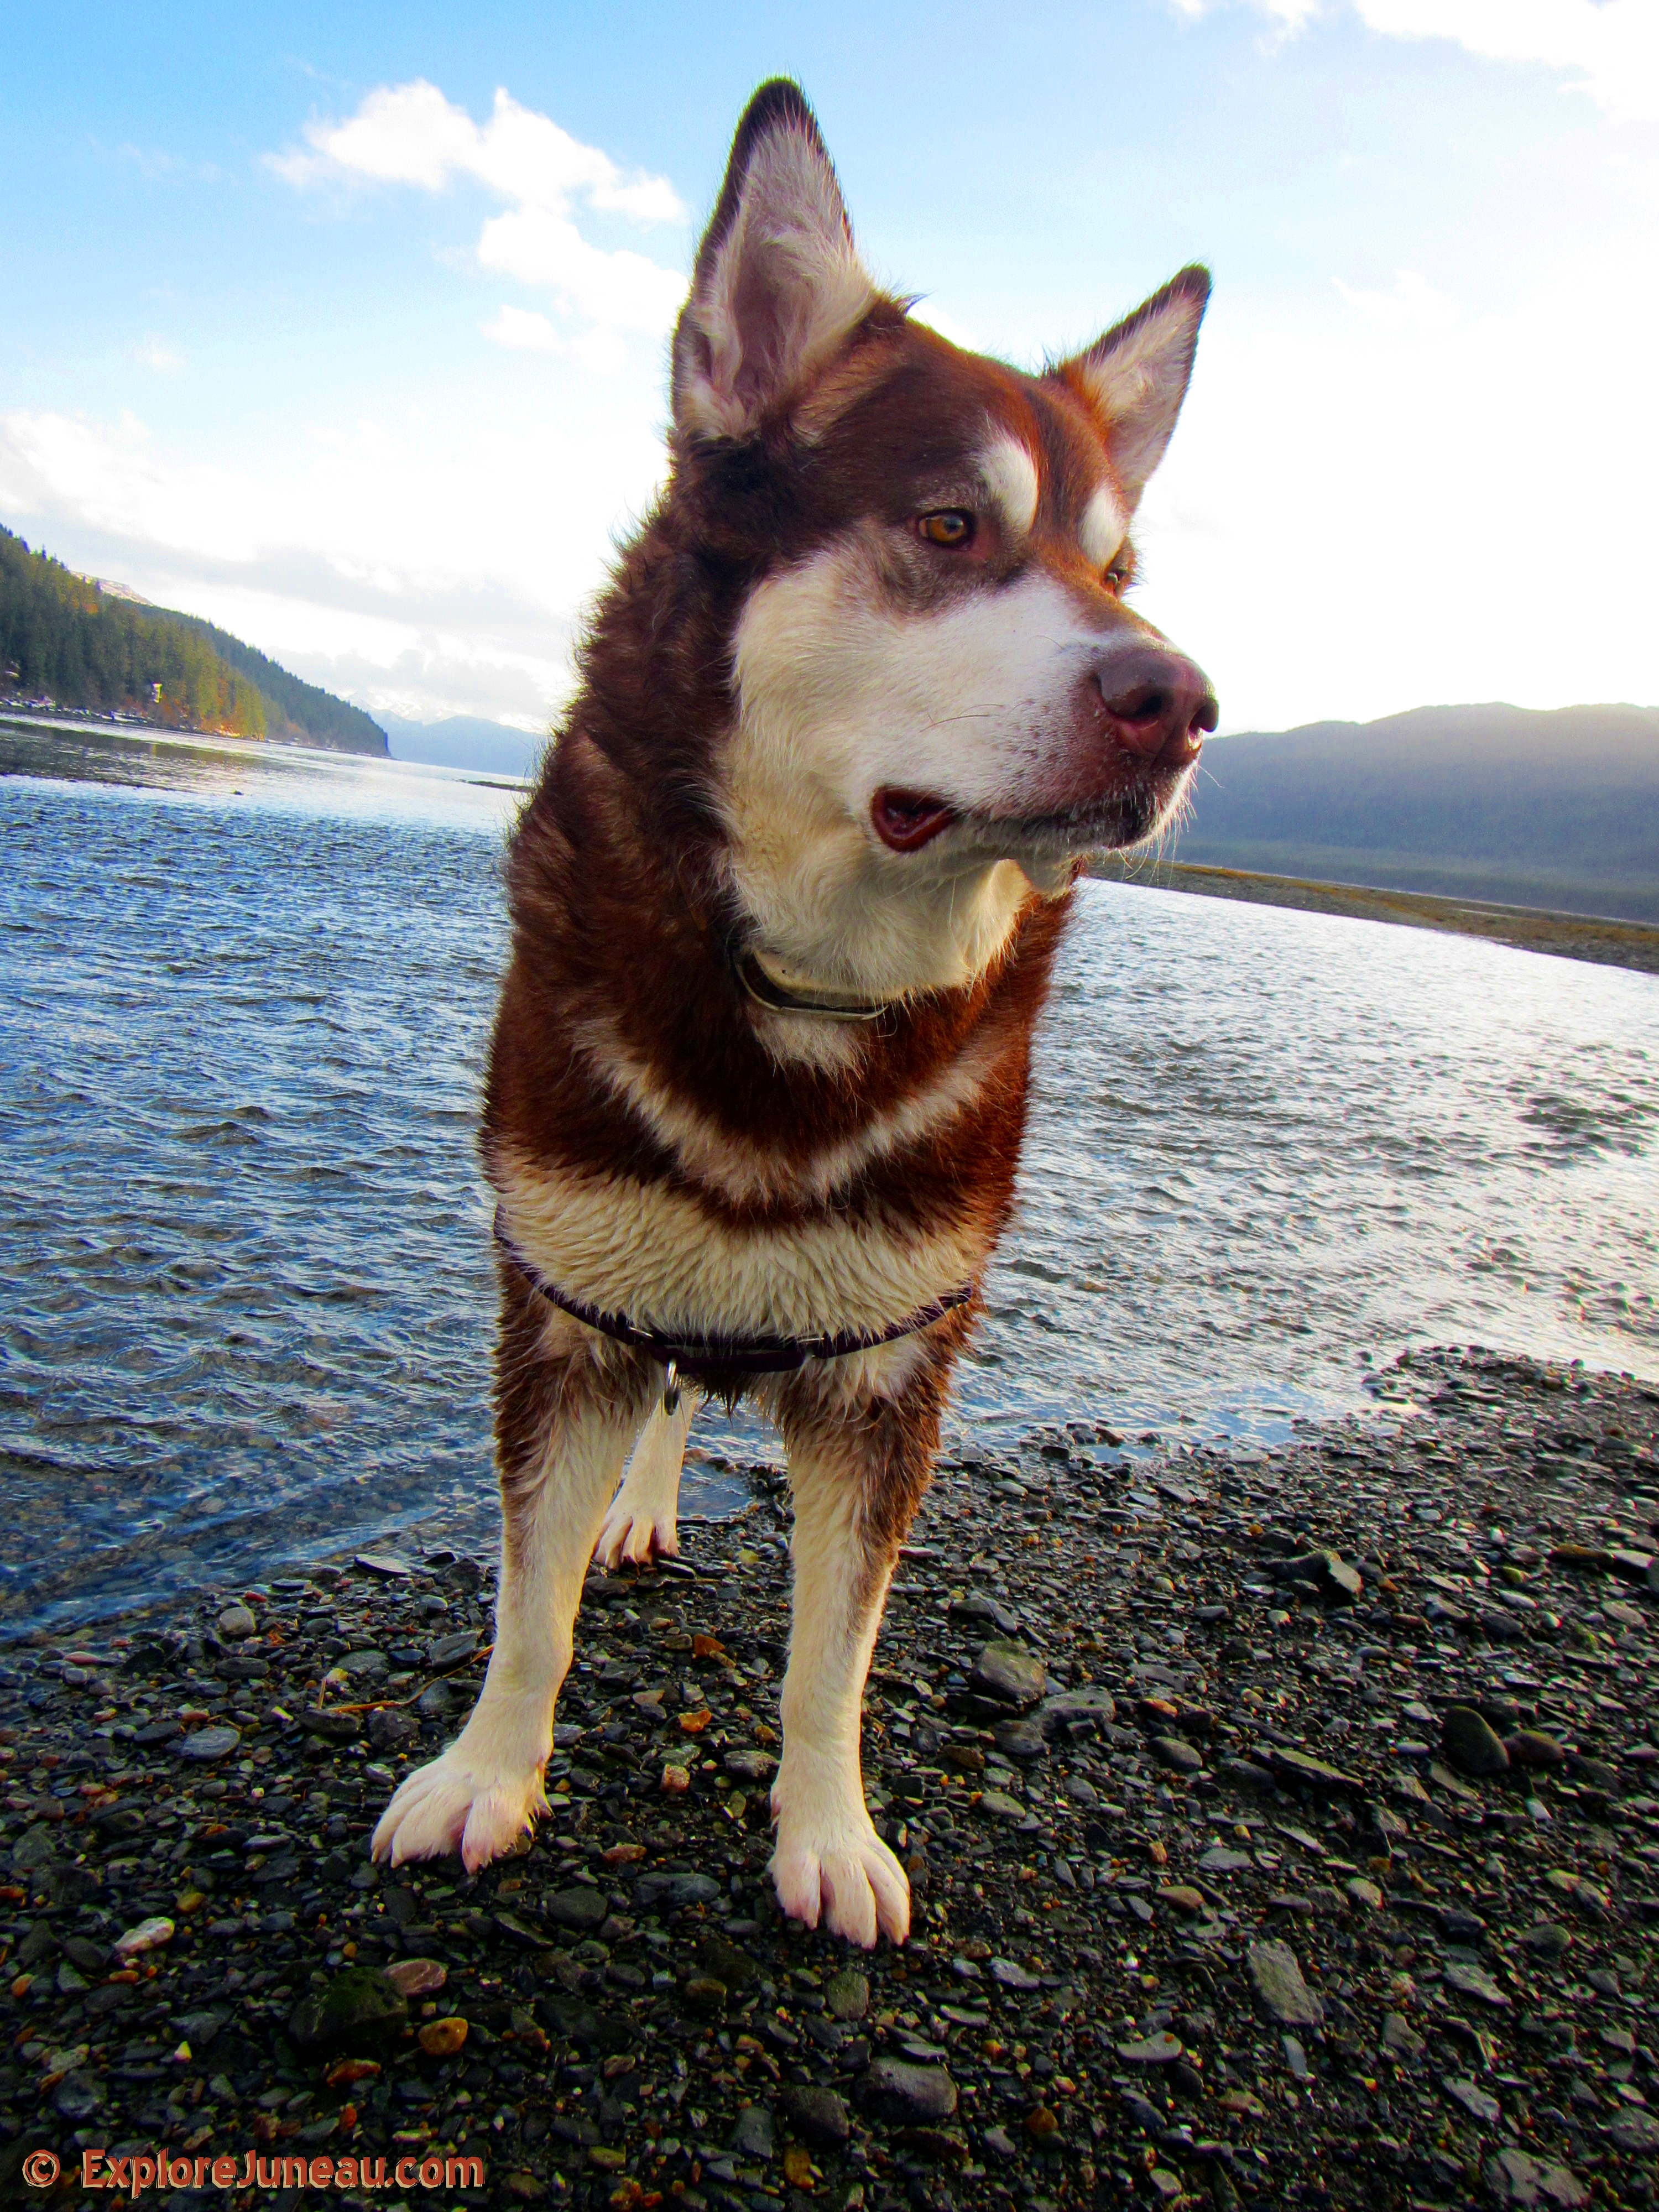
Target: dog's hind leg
856, 1477
563, 1426
641, 1525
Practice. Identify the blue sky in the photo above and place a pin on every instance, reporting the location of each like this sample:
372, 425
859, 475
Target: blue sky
346, 327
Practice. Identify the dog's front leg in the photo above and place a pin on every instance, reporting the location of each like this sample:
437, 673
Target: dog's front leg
642, 1523
559, 1465
856, 1484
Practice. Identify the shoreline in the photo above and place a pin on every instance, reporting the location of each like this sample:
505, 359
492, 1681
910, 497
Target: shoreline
1604, 940
1211, 1903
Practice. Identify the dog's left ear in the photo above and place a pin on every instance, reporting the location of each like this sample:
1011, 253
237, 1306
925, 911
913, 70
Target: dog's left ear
1135, 378
778, 284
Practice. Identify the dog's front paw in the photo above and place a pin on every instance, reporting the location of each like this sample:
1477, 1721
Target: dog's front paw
469, 1800
830, 1864
638, 1529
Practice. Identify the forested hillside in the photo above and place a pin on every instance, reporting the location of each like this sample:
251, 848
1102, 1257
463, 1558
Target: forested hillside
64, 640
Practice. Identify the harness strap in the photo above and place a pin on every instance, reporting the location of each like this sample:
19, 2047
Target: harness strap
740, 1355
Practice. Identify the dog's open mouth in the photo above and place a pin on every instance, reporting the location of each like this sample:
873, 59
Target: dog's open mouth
905, 821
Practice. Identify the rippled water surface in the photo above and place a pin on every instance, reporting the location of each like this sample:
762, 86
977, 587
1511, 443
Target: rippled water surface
246, 1291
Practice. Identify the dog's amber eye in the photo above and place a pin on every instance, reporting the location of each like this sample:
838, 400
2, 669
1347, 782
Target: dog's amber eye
1115, 580
950, 526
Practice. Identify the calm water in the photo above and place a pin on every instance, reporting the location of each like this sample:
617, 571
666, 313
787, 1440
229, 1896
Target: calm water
244, 1251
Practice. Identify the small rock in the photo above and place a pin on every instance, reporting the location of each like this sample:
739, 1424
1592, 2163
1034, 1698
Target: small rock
1364, 1892
1177, 1754
1335, 1580
705, 1994
388, 1728
1290, 1765
1475, 2101
360, 2001
210, 1744
895, 2091
674, 1891
330, 1727
1531, 1748
1400, 2039
579, 1908
1160, 2050
236, 1623
847, 1994
818, 2116
1276, 1976
1021, 1739
753, 2136
1470, 1744
1090, 1703
1474, 1982
748, 1765
1012, 1976
148, 1936
1009, 1674
1183, 1898
1043, 2125
1000, 2141
1514, 2177
1635, 2131
77, 2097
1000, 1806
416, 1978
1545, 1939
443, 2038
446, 1651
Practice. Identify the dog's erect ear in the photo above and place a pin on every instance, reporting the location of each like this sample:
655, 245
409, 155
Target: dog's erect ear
1135, 378
778, 284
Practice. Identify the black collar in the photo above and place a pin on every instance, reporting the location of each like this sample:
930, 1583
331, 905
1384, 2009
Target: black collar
719, 1356
778, 997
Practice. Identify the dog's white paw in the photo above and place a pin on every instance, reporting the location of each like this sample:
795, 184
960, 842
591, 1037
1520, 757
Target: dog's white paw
466, 1801
638, 1529
830, 1864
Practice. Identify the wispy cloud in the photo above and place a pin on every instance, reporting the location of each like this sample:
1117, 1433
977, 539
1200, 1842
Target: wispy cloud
1412, 305
410, 135
155, 353
1607, 49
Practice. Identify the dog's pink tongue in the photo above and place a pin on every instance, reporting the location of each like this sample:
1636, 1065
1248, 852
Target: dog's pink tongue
906, 820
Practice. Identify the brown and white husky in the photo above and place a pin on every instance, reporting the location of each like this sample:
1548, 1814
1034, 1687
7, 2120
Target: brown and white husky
862, 693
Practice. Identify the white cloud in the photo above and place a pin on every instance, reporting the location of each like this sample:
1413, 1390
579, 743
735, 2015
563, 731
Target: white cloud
1395, 501
157, 354
411, 135
409, 570
521, 329
1412, 305
1608, 49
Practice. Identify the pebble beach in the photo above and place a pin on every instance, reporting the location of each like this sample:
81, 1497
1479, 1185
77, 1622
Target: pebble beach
1283, 1828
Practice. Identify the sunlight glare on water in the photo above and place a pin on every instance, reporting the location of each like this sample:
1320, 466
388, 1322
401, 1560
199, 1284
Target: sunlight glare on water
244, 1239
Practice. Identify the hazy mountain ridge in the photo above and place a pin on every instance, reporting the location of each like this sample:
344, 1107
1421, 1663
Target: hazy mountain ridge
1538, 808
465, 741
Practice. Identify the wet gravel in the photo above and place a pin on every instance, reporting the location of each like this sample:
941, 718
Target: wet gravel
1283, 1829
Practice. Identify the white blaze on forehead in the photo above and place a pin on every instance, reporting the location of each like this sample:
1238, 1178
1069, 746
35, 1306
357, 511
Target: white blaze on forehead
1010, 476
1101, 531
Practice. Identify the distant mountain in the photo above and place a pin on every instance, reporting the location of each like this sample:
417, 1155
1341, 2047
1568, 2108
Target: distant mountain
76, 642
1556, 810
465, 741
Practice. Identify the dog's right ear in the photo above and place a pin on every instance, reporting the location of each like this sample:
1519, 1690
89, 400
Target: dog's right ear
778, 284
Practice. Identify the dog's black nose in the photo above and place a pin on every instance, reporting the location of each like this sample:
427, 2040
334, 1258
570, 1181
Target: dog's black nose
1158, 703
